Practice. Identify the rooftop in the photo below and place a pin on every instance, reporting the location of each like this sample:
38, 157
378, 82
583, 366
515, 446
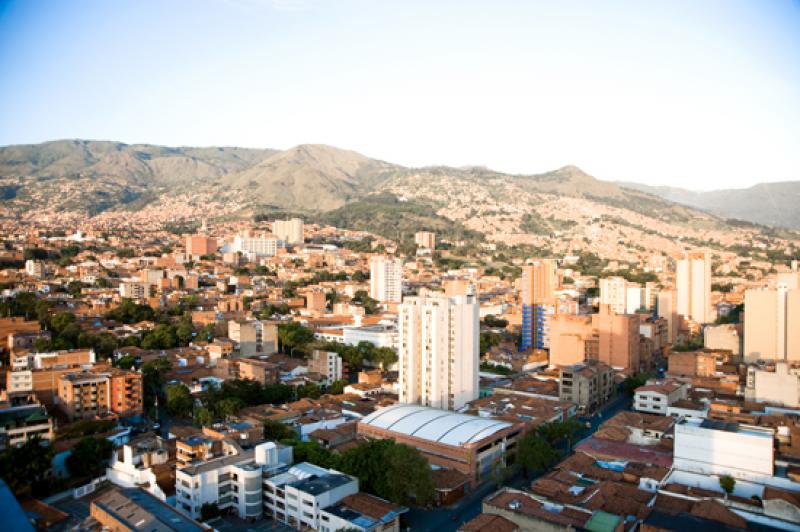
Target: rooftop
433, 424
138, 510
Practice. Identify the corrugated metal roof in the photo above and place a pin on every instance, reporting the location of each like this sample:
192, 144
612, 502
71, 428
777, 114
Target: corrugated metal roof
433, 424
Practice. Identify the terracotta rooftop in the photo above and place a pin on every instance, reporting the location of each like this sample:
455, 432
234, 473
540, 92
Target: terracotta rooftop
489, 523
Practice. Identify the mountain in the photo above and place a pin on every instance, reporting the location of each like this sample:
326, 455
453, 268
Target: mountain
774, 204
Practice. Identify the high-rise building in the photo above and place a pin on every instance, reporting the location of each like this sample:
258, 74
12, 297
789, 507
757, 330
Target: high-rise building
618, 338
694, 287
290, 231
624, 297
386, 279
425, 239
538, 286
438, 355
667, 308
772, 324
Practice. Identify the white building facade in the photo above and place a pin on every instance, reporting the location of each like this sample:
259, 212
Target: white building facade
438, 354
386, 279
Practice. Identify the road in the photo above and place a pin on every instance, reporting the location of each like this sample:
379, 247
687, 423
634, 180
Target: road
448, 519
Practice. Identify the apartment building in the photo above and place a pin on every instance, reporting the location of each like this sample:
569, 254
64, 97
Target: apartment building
253, 337
134, 289
572, 340
386, 279
667, 308
588, 385
258, 370
693, 281
34, 268
538, 284
363, 512
326, 363
657, 398
256, 246
298, 496
622, 296
618, 338
126, 393
778, 386
19, 424
84, 395
290, 231
135, 509
438, 355
772, 324
425, 239
233, 481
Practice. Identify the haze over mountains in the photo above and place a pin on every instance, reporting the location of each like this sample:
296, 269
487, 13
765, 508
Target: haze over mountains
94, 176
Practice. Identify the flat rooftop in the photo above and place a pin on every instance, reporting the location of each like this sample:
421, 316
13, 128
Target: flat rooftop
138, 510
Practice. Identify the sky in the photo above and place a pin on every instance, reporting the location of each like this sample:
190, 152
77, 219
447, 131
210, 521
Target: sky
701, 94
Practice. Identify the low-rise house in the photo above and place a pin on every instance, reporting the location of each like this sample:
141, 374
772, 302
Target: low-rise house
362, 512
658, 397
19, 424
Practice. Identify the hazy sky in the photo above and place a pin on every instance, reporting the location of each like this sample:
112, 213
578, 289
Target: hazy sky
702, 94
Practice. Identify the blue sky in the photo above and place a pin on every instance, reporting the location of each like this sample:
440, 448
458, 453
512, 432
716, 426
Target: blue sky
702, 94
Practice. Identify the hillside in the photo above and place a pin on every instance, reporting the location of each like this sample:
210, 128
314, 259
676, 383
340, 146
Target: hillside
562, 211
773, 204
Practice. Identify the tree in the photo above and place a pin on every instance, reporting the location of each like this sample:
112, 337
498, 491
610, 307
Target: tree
534, 453
309, 389
126, 362
727, 483
337, 387
89, 457
310, 451
29, 463
203, 417
634, 381
277, 431
179, 400
293, 336
228, 407
408, 476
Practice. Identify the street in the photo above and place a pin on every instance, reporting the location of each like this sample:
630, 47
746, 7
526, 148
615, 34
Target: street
448, 519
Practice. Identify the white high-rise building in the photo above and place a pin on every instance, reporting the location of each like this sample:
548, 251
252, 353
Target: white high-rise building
290, 231
622, 296
438, 355
694, 287
386, 279
772, 324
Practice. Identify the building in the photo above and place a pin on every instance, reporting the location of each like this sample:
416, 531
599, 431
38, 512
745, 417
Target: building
667, 308
290, 231
143, 462
256, 246
780, 386
258, 370
693, 280
362, 512
588, 385
19, 424
34, 268
326, 363
772, 324
134, 289
657, 398
572, 340
425, 239
84, 395
622, 296
724, 336
438, 355
134, 509
386, 279
618, 338
253, 337
472, 445
200, 245
234, 480
126, 393
710, 447
692, 364
538, 285
298, 496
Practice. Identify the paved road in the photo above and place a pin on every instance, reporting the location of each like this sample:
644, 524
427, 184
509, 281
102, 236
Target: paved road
450, 518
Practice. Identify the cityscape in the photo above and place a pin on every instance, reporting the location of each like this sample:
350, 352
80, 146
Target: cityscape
197, 336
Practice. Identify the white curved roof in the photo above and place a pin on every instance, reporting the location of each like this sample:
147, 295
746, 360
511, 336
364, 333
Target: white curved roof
432, 424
